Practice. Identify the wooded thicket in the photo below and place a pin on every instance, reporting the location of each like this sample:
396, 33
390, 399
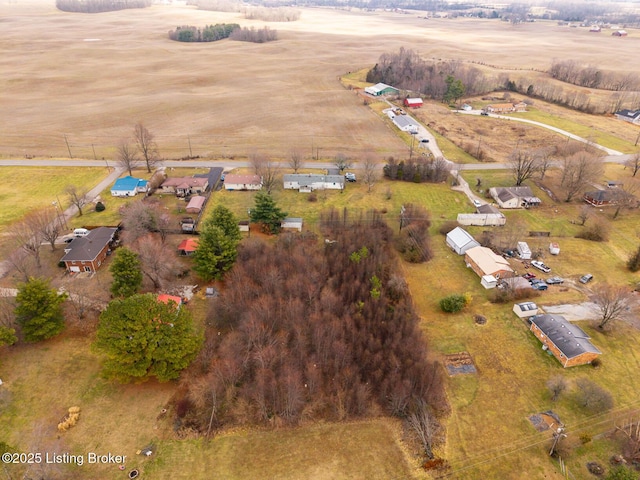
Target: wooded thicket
313, 330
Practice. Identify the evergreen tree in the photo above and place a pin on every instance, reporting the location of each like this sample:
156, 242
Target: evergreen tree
39, 310
126, 272
267, 213
455, 90
218, 244
142, 338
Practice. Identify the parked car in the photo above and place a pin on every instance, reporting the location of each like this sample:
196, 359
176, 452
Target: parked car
476, 203
509, 253
586, 278
529, 275
424, 140
350, 177
540, 266
539, 285
484, 113
554, 281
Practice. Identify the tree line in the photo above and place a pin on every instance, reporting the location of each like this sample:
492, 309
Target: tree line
210, 33
310, 330
417, 170
98, 6
590, 76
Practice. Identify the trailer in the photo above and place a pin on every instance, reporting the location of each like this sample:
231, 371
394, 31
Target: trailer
524, 252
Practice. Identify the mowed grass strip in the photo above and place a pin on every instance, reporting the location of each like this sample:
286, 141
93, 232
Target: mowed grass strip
368, 449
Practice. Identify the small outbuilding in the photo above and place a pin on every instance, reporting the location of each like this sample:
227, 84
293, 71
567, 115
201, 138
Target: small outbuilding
187, 247
459, 240
554, 248
525, 309
196, 203
489, 281
292, 223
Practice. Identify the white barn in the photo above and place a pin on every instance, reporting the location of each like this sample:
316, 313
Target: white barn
459, 240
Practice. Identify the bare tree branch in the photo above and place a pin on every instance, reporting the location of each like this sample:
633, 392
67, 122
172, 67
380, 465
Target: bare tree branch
126, 157
146, 145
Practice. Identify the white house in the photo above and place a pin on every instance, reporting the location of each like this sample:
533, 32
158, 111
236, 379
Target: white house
514, 197
525, 309
243, 182
487, 215
459, 240
129, 187
307, 182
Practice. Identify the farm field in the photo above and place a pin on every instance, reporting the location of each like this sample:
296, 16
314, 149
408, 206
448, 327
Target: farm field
120, 68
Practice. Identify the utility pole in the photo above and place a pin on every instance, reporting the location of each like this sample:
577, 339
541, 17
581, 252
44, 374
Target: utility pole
557, 435
68, 148
190, 152
94, 153
637, 139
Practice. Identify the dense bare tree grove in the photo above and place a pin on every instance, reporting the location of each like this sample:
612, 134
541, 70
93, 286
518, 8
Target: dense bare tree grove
210, 33
98, 6
255, 35
417, 170
309, 330
406, 70
590, 76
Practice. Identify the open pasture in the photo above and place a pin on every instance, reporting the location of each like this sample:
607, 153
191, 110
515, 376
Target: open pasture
91, 78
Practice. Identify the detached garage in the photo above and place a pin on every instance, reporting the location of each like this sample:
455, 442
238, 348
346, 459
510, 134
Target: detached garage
459, 240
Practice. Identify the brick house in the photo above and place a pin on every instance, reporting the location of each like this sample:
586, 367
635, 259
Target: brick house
87, 254
567, 342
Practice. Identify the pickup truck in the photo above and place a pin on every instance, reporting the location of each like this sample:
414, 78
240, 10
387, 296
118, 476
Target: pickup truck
540, 266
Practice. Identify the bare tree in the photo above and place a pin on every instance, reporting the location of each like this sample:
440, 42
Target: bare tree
157, 260
612, 302
545, 160
46, 224
556, 385
580, 170
371, 171
425, 426
523, 165
126, 157
267, 169
77, 197
626, 198
28, 237
592, 396
143, 217
146, 145
633, 163
342, 162
584, 214
295, 160
22, 262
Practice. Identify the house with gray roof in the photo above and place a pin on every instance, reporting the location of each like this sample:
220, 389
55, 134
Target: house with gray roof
87, 254
566, 341
405, 123
308, 182
514, 197
632, 116
486, 215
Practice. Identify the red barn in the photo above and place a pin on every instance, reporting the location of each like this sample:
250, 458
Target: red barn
413, 102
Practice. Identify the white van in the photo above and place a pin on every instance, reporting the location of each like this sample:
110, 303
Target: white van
80, 232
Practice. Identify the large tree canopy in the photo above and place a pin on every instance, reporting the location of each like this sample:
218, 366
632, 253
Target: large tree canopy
39, 310
142, 338
267, 213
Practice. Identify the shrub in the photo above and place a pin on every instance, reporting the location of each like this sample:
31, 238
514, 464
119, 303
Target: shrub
593, 397
633, 263
313, 197
597, 232
453, 303
446, 227
100, 207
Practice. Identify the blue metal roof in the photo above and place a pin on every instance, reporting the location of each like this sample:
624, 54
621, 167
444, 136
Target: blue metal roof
128, 183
